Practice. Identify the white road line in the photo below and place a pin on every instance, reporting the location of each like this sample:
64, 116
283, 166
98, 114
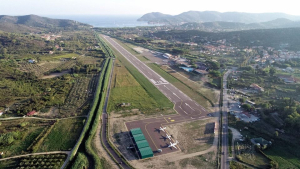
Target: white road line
183, 110
189, 106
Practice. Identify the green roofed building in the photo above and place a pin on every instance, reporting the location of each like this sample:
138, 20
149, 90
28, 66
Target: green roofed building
139, 137
142, 144
146, 152
136, 131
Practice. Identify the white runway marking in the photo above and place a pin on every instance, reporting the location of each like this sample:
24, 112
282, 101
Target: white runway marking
189, 106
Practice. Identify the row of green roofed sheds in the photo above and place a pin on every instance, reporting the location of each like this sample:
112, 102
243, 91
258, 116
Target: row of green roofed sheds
141, 143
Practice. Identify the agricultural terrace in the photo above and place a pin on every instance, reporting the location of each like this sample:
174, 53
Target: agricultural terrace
58, 64
42, 95
17, 136
63, 135
80, 96
36, 161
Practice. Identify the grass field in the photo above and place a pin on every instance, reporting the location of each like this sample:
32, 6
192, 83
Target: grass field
28, 130
125, 89
67, 55
185, 89
152, 91
63, 136
282, 155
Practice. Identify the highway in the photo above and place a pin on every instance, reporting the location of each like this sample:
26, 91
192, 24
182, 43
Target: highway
184, 105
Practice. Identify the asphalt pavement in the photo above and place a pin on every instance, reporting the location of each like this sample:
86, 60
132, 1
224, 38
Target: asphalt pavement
225, 110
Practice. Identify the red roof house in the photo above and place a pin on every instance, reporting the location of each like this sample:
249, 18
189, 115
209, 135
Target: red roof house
31, 113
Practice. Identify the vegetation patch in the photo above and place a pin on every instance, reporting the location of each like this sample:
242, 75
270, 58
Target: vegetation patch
15, 139
245, 152
63, 136
48, 161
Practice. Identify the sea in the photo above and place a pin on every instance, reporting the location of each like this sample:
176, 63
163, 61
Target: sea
106, 21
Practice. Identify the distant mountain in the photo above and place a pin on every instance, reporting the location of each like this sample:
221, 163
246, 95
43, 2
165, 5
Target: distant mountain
228, 26
153, 16
213, 16
36, 23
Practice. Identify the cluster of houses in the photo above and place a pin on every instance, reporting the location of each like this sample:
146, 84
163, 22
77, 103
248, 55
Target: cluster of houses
216, 49
271, 55
185, 65
256, 87
50, 37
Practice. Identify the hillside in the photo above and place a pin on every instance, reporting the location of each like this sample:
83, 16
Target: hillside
258, 37
153, 16
34, 23
213, 16
229, 26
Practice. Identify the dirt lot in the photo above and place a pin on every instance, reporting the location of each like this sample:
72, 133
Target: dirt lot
193, 136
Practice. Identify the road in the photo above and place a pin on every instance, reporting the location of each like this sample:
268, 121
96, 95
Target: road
104, 138
187, 109
224, 155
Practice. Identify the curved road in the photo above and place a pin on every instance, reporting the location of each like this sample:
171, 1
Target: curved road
104, 138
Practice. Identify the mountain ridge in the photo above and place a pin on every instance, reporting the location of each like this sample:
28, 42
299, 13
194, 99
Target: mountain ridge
34, 23
213, 16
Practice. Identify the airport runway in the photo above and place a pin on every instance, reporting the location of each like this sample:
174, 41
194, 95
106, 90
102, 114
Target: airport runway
187, 109
184, 105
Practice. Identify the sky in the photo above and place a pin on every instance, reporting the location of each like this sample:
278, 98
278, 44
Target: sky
140, 7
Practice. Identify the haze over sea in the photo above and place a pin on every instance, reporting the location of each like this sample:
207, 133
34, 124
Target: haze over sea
105, 21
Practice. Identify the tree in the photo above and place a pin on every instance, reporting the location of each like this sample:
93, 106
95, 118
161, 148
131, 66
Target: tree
242, 100
3, 52
215, 73
276, 133
273, 165
272, 71
246, 106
